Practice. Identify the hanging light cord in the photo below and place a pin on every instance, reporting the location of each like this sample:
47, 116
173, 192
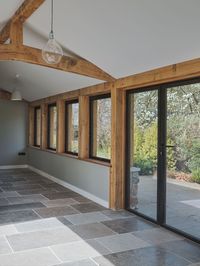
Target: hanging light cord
52, 13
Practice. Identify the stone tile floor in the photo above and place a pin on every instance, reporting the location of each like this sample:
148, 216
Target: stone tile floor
45, 224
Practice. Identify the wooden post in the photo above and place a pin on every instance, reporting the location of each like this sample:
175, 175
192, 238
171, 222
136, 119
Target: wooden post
44, 110
61, 126
83, 127
117, 149
31, 125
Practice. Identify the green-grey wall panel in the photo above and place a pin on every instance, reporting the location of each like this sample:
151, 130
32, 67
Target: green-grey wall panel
13, 132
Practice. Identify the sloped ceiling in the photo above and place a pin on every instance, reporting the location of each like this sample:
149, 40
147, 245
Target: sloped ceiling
121, 37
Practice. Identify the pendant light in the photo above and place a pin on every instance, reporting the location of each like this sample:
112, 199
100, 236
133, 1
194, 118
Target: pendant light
16, 95
52, 52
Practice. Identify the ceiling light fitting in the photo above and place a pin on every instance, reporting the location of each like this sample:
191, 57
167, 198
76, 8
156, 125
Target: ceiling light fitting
16, 95
52, 52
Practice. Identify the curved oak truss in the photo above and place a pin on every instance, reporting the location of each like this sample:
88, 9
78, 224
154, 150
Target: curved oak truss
32, 55
15, 50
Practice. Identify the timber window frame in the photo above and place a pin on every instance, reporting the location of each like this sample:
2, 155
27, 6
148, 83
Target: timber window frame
69, 126
93, 124
50, 128
35, 139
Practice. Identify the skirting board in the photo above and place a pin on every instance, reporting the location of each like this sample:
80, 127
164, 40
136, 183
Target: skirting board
7, 167
73, 188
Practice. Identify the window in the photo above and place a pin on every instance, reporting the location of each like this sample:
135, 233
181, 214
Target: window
37, 126
100, 127
72, 127
52, 126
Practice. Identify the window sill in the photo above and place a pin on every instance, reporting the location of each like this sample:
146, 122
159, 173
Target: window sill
68, 155
34, 147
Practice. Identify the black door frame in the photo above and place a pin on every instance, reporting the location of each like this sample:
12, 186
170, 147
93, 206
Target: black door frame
161, 154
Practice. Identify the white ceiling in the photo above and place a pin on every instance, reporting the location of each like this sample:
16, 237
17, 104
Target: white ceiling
121, 37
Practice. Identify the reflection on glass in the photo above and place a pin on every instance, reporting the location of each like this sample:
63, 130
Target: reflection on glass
143, 121
183, 158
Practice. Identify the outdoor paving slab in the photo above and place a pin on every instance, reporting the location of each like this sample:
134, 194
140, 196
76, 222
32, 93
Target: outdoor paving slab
79, 250
88, 207
157, 235
86, 218
60, 202
43, 238
18, 216
185, 248
4, 246
59, 195
87, 262
149, 256
43, 224
118, 214
27, 199
7, 229
122, 242
127, 225
37, 257
55, 211
89, 231
16, 207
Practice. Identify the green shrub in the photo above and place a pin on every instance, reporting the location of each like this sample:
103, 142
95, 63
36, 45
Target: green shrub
145, 165
196, 175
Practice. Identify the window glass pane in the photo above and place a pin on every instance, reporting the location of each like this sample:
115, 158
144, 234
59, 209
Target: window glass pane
37, 126
72, 113
101, 128
52, 127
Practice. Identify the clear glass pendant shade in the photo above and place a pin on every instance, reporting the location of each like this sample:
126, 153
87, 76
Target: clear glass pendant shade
52, 52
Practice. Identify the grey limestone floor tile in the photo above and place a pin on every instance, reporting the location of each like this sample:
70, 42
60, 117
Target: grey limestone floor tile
81, 199
89, 231
9, 194
122, 242
37, 257
157, 235
27, 199
118, 214
149, 256
126, 225
88, 207
185, 248
16, 207
60, 202
86, 262
42, 238
35, 191
4, 246
9, 229
86, 218
79, 250
18, 216
64, 221
38, 225
20, 187
55, 211
195, 264
3, 202
59, 195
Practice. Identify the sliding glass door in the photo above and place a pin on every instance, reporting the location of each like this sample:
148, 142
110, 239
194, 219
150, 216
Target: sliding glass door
142, 165
163, 155
183, 158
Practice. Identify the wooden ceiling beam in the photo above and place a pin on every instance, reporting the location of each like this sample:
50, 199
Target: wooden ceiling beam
32, 55
27, 8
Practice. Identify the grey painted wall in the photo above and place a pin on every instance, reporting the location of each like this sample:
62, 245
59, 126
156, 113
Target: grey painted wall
87, 176
13, 132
